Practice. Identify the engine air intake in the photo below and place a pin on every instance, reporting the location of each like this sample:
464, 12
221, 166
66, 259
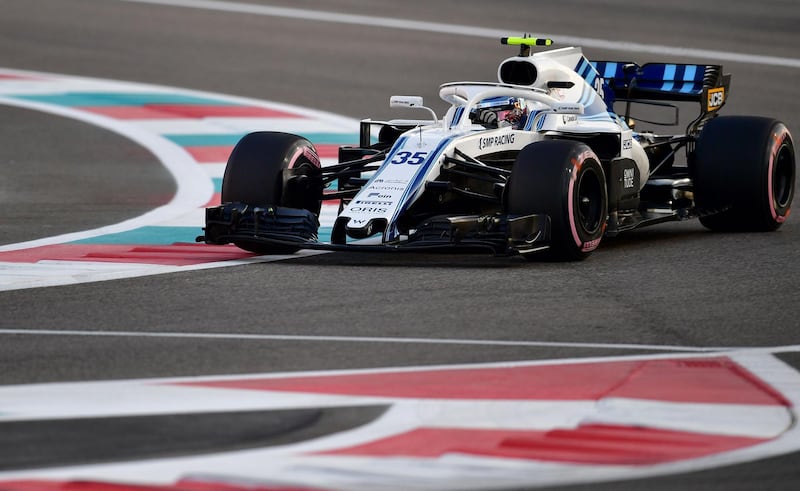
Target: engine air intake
518, 72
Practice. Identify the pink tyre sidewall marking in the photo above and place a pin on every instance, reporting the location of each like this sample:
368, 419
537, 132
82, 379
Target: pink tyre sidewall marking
577, 163
778, 140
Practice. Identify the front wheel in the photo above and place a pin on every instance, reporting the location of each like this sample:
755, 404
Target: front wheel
564, 180
255, 176
743, 171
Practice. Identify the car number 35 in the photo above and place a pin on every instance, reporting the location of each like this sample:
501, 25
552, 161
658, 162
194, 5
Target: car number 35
409, 158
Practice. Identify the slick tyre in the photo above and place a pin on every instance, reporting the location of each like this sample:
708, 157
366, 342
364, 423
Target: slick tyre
743, 170
255, 175
564, 180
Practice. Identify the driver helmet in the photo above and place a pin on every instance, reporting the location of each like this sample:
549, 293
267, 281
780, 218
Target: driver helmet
507, 111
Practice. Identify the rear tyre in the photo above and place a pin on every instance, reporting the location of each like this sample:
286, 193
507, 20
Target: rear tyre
564, 180
254, 175
744, 166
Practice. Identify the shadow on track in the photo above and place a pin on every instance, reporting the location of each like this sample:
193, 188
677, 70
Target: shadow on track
650, 240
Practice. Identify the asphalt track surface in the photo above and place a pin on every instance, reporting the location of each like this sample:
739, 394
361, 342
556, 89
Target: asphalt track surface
675, 284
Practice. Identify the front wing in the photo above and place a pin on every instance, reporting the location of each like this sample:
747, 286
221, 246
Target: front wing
260, 228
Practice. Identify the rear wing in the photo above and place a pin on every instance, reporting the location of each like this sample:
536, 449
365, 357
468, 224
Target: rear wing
677, 82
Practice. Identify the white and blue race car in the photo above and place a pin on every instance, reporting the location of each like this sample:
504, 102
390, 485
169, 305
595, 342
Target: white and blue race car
538, 161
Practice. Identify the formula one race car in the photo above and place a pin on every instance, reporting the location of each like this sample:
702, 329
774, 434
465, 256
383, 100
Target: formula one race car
538, 161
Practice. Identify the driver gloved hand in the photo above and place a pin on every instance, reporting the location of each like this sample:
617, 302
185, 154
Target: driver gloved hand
486, 117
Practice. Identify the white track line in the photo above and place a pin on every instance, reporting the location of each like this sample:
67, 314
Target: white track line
370, 339
469, 31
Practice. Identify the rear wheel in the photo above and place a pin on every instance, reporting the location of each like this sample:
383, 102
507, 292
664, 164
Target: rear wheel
744, 167
255, 175
564, 180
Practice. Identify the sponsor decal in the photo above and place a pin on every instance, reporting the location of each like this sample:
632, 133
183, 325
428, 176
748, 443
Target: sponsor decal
591, 245
568, 108
379, 195
390, 181
493, 141
627, 178
598, 87
381, 187
376, 203
627, 144
569, 118
367, 209
409, 158
716, 97
311, 156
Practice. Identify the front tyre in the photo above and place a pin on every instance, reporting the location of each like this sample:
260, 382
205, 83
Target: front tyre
564, 180
744, 168
255, 176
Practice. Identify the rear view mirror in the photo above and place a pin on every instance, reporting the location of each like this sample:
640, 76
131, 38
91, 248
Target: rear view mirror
410, 102
405, 101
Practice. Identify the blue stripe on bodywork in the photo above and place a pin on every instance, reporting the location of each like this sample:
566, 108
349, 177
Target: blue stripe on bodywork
611, 70
416, 182
540, 124
398, 144
456, 115
587, 71
531, 118
688, 76
669, 77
